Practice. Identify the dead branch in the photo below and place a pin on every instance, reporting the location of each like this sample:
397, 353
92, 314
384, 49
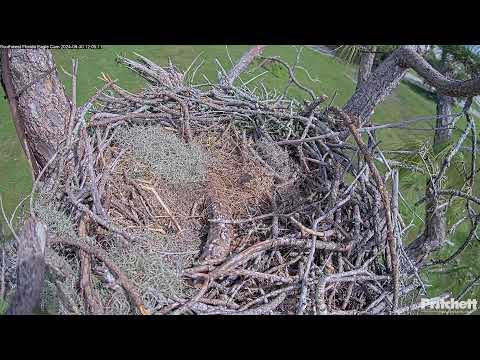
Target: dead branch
30, 267
100, 254
246, 59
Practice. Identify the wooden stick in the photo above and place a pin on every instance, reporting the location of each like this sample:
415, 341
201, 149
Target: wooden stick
122, 278
305, 229
164, 206
241, 66
85, 278
30, 267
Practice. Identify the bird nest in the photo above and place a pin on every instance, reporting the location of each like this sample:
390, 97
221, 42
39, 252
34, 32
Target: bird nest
183, 199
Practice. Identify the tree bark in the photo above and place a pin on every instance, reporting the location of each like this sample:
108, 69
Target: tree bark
434, 235
376, 88
443, 132
443, 84
220, 235
388, 75
366, 64
37, 100
30, 268
241, 65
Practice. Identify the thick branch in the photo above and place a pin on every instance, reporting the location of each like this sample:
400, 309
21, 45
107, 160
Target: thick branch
434, 236
121, 277
30, 268
444, 85
379, 85
241, 66
365, 66
388, 75
443, 129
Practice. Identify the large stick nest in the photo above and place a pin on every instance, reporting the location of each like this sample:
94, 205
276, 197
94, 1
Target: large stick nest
213, 199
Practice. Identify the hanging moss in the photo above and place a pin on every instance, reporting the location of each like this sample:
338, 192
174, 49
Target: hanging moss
165, 154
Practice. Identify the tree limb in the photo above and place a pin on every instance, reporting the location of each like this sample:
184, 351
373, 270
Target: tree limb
30, 267
229, 78
444, 85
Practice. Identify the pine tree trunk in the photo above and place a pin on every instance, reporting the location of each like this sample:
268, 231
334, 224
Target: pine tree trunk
38, 102
443, 132
30, 267
40, 109
434, 235
380, 84
365, 66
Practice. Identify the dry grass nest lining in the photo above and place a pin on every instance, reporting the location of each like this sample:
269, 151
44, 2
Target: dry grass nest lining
184, 175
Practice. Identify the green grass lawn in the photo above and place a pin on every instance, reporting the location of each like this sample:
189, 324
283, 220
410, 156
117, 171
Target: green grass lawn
332, 77
15, 176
